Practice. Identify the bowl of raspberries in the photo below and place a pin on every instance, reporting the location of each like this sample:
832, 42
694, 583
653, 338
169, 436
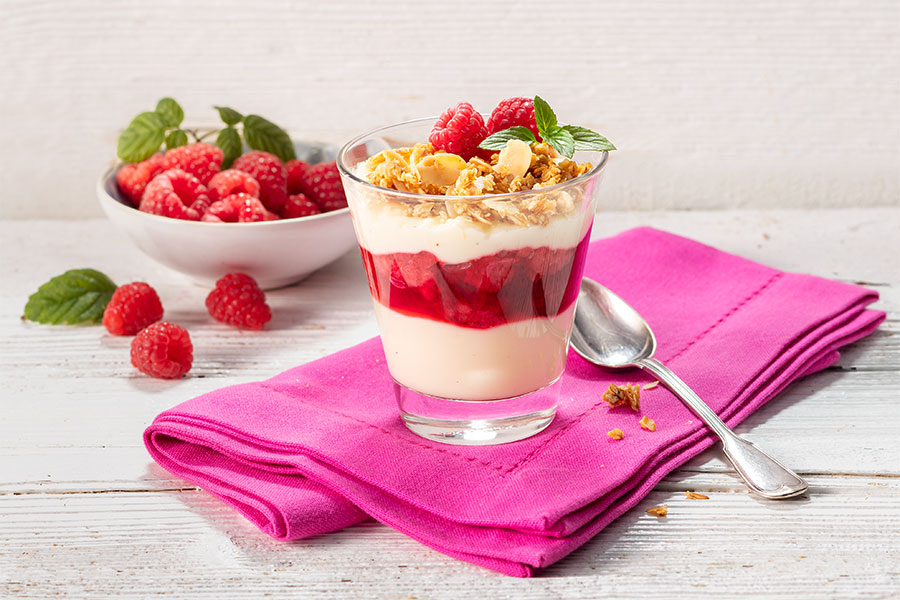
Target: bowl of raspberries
275, 220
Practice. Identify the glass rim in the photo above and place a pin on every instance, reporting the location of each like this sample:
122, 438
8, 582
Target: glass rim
604, 156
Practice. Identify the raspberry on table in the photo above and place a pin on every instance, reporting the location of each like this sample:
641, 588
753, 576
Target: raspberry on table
237, 300
269, 172
162, 350
295, 172
133, 178
200, 160
177, 194
231, 181
132, 307
298, 205
459, 130
513, 112
322, 184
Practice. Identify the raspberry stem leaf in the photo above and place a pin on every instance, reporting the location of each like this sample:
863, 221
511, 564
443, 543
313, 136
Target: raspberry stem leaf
170, 111
262, 134
77, 296
229, 116
230, 142
176, 138
143, 136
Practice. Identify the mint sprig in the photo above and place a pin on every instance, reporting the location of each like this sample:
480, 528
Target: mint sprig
149, 130
565, 139
76, 296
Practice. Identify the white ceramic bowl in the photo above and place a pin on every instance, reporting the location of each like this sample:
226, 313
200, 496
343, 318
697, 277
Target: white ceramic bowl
275, 253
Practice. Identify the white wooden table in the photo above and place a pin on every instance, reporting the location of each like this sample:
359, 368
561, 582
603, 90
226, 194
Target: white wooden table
85, 513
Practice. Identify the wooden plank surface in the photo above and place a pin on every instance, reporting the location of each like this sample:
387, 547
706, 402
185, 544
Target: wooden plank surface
85, 513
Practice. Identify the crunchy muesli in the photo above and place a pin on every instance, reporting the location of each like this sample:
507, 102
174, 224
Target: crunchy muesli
421, 169
616, 434
618, 395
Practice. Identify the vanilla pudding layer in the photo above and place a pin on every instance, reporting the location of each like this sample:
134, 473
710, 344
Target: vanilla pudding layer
448, 361
385, 228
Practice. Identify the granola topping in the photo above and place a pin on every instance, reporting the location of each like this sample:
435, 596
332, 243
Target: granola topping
421, 169
619, 395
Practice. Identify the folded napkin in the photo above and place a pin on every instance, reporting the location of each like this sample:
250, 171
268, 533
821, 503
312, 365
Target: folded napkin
322, 446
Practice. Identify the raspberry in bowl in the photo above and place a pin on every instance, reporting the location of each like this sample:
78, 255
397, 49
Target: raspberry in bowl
228, 224
474, 265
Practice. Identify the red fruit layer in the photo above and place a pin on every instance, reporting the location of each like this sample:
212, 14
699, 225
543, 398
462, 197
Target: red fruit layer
505, 287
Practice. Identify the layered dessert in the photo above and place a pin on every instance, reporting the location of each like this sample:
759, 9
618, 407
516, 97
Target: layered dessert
473, 265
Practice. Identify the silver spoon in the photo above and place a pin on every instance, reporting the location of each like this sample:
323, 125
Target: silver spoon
609, 333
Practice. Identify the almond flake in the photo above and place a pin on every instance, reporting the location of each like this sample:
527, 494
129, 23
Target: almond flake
659, 511
695, 496
650, 385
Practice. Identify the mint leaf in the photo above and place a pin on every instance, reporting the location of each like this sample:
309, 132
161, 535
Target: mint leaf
585, 139
229, 115
176, 138
143, 136
498, 140
561, 140
230, 143
76, 296
543, 115
262, 134
170, 111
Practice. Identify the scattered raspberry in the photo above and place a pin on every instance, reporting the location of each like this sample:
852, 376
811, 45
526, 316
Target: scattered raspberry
512, 112
322, 184
459, 131
231, 181
269, 171
237, 300
133, 178
162, 350
295, 172
177, 194
132, 307
298, 205
200, 160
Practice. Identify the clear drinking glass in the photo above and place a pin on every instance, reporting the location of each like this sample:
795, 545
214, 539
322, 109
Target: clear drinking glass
474, 301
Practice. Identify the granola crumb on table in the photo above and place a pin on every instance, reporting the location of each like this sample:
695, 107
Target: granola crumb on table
695, 496
659, 511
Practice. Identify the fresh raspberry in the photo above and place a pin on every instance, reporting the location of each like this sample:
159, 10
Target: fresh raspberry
298, 205
322, 185
177, 194
200, 160
269, 171
512, 112
132, 307
459, 131
162, 350
231, 181
296, 170
237, 300
238, 208
133, 178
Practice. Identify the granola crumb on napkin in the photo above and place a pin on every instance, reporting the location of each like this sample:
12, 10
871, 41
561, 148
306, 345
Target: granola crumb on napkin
617, 395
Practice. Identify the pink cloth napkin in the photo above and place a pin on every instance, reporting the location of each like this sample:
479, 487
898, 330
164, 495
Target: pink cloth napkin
321, 446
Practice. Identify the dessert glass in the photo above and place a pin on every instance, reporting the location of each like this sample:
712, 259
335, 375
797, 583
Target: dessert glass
474, 295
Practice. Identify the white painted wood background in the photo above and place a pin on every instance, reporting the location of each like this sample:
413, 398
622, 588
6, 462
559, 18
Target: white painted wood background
84, 512
713, 104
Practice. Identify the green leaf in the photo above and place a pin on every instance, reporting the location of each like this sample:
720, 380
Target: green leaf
586, 139
561, 140
229, 115
176, 138
262, 134
143, 136
498, 140
170, 111
230, 143
543, 115
76, 296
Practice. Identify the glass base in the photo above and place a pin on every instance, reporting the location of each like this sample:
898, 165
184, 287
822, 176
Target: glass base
477, 423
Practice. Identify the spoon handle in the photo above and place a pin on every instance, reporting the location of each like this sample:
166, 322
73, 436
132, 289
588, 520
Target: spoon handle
762, 473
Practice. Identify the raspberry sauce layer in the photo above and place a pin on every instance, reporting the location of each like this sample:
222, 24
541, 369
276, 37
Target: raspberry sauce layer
505, 287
